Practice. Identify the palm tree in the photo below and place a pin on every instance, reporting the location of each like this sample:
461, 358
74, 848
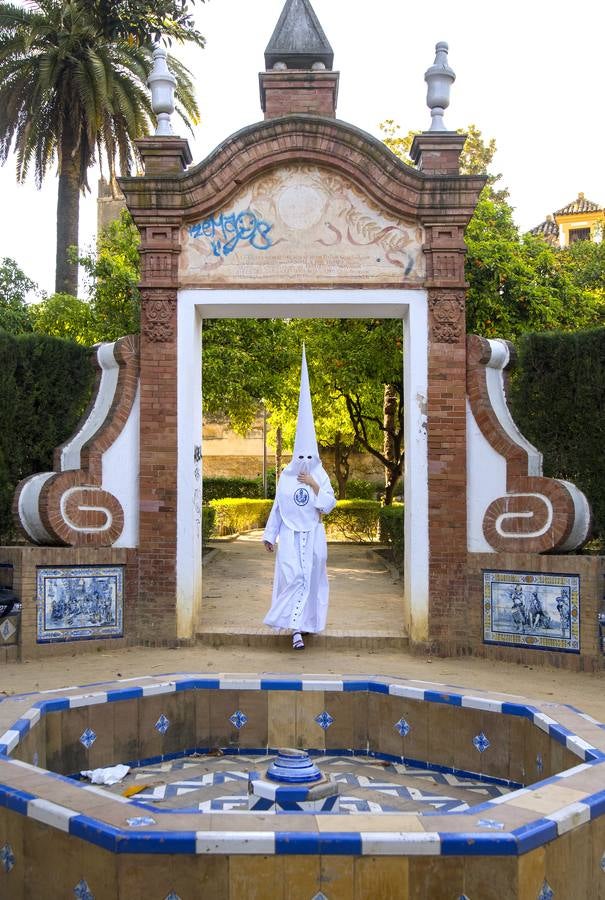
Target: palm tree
73, 91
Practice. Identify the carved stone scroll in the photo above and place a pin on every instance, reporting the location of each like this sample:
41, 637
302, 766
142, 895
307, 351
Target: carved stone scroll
70, 505
533, 514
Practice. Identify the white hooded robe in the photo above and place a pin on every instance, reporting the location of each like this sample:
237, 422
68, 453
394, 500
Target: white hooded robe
300, 585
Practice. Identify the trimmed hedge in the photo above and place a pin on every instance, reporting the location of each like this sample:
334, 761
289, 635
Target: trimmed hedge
219, 488
392, 530
358, 489
558, 402
354, 520
45, 386
208, 517
234, 515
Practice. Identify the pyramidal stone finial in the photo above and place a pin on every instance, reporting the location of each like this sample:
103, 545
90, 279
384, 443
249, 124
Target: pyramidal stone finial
299, 41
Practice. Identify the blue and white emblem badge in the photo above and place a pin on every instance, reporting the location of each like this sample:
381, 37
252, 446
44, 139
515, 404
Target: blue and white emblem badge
301, 496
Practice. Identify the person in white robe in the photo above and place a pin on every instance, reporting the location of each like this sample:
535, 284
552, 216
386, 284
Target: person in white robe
300, 585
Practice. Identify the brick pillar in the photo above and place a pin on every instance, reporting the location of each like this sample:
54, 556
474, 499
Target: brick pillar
438, 154
160, 248
286, 92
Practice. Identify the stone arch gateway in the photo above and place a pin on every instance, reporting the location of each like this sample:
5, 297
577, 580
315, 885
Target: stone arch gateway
302, 214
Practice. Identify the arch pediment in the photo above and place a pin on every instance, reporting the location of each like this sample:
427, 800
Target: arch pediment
342, 148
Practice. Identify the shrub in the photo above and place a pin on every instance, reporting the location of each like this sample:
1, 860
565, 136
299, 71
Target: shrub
235, 515
208, 517
219, 488
358, 489
392, 530
354, 520
45, 386
557, 400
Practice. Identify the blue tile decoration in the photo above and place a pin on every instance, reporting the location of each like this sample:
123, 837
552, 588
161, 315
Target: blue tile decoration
402, 727
532, 609
487, 842
163, 724
238, 719
324, 720
88, 738
463, 897
546, 892
82, 891
434, 791
172, 896
603, 862
7, 630
490, 823
320, 896
80, 603
141, 821
539, 764
7, 858
481, 742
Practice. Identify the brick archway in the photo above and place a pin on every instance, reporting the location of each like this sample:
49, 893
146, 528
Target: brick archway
435, 199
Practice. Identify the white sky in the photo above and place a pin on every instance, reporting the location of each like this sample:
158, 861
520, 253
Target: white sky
529, 73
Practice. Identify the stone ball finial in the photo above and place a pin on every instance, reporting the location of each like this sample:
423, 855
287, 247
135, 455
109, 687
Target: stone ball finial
279, 66
439, 78
162, 84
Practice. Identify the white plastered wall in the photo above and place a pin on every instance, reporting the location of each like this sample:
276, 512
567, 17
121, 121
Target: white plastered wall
408, 305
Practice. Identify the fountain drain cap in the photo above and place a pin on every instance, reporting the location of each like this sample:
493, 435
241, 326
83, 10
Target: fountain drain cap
293, 767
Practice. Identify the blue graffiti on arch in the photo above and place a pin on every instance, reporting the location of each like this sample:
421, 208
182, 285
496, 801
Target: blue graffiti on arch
226, 231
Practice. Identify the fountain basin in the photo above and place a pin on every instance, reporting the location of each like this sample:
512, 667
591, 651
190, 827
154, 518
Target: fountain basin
547, 833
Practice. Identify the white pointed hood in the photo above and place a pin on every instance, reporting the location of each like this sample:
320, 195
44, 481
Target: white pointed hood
305, 442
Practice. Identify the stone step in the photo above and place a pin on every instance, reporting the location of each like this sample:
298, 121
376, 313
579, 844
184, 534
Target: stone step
329, 639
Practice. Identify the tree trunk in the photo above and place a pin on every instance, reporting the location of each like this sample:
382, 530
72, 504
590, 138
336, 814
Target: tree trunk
341, 466
68, 214
390, 412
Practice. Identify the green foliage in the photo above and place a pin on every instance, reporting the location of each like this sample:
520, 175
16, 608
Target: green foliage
519, 283
64, 316
392, 532
14, 288
113, 273
45, 386
358, 489
354, 520
73, 90
219, 488
60, 72
476, 157
233, 516
112, 307
208, 517
244, 363
558, 398
147, 22
351, 364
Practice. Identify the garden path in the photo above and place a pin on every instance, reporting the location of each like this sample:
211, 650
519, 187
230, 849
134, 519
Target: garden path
366, 596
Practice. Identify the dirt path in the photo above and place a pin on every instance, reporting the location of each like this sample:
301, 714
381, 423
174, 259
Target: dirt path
585, 691
365, 596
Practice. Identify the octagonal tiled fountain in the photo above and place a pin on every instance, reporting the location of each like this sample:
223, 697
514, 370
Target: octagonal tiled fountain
423, 790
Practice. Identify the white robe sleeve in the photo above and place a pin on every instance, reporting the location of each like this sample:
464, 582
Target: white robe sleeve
273, 524
325, 501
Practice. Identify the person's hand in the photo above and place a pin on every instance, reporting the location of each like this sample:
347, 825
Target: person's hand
268, 546
304, 478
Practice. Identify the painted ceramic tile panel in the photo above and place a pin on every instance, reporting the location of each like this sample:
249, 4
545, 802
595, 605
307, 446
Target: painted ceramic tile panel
301, 224
532, 609
79, 603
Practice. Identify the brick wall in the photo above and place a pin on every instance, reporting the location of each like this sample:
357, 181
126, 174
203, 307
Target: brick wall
467, 637
26, 560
